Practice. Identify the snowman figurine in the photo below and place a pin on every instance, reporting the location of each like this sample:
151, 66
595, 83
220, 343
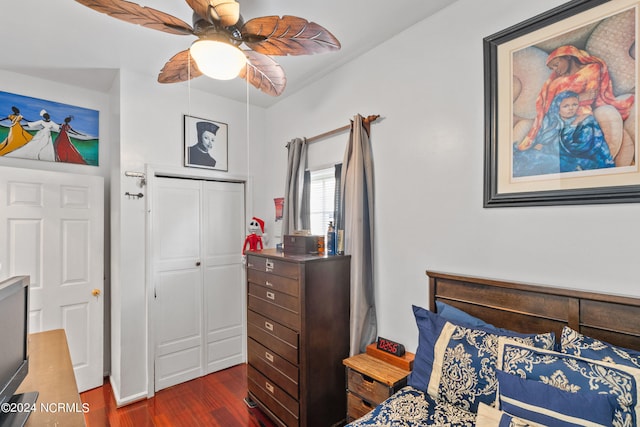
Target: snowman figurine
254, 239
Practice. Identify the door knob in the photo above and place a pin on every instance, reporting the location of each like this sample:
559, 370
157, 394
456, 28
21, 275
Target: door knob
96, 292
197, 263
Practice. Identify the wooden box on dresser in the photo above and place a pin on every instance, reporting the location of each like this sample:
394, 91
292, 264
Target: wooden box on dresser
298, 335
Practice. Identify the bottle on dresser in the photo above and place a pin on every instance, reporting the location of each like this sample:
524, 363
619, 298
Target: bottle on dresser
330, 245
340, 242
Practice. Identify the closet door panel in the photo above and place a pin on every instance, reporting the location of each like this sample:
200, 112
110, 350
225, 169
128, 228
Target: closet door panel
224, 283
177, 289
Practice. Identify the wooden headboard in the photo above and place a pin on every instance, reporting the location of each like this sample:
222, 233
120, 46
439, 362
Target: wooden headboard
530, 308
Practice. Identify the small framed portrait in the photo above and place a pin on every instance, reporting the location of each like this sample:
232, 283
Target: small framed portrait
560, 110
205, 144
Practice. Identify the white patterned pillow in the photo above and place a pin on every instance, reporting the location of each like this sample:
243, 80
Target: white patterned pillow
489, 416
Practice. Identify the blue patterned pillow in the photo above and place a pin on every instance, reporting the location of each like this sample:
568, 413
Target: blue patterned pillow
489, 416
575, 374
573, 342
456, 364
551, 406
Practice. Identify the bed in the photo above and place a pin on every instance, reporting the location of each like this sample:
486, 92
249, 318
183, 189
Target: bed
496, 352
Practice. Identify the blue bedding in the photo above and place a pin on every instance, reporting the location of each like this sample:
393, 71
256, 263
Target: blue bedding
410, 407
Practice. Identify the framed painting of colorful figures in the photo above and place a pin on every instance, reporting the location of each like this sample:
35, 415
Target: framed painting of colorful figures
37, 129
560, 107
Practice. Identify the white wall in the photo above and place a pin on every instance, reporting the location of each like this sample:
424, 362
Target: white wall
427, 84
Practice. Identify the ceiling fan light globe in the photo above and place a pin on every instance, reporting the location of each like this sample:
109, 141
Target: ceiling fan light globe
218, 60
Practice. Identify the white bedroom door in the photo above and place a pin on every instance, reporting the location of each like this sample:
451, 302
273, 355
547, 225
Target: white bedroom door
52, 229
198, 281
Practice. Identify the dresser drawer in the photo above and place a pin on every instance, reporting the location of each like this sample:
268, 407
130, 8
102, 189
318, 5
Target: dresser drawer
289, 302
357, 407
273, 265
274, 367
282, 284
273, 336
280, 403
367, 388
274, 312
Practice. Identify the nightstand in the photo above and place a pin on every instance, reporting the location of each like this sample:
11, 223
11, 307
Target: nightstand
370, 381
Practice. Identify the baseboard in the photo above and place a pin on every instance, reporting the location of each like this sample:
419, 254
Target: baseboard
125, 401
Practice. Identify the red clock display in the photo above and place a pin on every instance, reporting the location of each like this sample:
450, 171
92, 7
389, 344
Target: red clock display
389, 346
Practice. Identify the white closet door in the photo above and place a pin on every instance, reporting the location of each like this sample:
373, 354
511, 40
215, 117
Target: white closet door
197, 234
52, 229
224, 286
177, 281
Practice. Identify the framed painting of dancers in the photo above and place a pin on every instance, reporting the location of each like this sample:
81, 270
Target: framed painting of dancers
560, 107
38, 129
205, 144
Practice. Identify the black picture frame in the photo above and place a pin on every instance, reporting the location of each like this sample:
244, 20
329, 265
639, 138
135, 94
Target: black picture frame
570, 23
196, 155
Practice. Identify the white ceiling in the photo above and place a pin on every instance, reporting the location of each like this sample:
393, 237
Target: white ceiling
64, 41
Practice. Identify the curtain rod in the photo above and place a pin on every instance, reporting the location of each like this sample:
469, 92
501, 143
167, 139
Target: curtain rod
369, 119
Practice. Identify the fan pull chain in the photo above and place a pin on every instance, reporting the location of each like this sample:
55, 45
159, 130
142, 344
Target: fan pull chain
248, 132
188, 128
189, 82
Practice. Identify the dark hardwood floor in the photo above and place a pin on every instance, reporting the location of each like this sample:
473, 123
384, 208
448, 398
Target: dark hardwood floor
212, 400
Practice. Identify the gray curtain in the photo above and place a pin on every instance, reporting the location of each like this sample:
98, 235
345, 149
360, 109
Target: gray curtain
297, 162
357, 203
337, 198
305, 202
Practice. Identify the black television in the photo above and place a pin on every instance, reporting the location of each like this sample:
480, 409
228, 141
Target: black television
14, 353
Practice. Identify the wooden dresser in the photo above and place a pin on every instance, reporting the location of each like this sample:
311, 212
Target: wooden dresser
298, 335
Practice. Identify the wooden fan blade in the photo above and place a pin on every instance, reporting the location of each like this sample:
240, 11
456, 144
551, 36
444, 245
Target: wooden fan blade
140, 15
288, 35
180, 68
264, 73
200, 7
227, 12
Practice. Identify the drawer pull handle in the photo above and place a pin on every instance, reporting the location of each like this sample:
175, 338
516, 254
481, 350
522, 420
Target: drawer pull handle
269, 387
271, 296
268, 283
249, 265
269, 265
268, 326
367, 378
268, 356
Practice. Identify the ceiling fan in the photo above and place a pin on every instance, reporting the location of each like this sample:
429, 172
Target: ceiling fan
218, 23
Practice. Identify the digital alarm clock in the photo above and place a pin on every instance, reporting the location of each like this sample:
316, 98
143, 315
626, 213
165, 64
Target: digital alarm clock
390, 347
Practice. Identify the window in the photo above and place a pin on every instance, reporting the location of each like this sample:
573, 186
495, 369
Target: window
322, 199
